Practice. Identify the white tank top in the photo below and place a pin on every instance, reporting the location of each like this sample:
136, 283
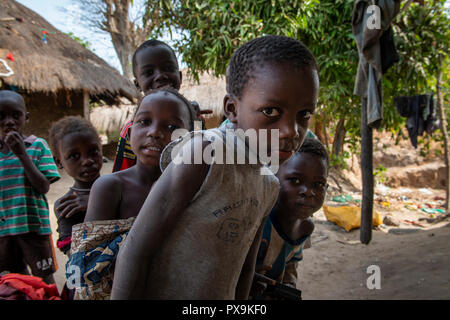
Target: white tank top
203, 257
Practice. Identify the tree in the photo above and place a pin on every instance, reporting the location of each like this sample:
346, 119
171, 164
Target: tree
128, 22
213, 29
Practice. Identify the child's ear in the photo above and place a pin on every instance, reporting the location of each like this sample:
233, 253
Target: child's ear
230, 107
137, 85
27, 117
129, 132
58, 162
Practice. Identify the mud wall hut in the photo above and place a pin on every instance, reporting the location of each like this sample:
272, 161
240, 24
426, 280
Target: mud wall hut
56, 75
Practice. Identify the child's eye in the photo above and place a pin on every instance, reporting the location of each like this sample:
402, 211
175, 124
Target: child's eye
320, 186
305, 115
143, 122
271, 112
74, 156
172, 127
148, 72
294, 180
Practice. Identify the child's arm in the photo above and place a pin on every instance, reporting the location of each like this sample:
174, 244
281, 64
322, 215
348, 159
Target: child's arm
290, 271
154, 223
248, 269
290, 274
36, 178
104, 199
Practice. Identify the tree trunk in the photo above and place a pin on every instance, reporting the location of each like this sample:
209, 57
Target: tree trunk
127, 33
117, 24
319, 129
443, 120
367, 176
339, 138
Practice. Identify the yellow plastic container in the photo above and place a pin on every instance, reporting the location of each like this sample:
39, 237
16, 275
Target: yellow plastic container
348, 217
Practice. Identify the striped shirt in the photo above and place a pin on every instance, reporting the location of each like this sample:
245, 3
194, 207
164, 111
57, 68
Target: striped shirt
22, 208
280, 252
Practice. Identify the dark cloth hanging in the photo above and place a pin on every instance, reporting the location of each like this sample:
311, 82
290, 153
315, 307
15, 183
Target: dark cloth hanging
376, 53
420, 111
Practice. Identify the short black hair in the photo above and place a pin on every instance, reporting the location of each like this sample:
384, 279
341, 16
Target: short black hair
314, 146
69, 125
193, 113
261, 50
9, 94
150, 43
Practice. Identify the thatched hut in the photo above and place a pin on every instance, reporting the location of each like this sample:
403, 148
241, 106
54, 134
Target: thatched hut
56, 75
208, 92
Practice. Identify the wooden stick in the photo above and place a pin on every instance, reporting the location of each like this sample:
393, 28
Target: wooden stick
367, 176
443, 121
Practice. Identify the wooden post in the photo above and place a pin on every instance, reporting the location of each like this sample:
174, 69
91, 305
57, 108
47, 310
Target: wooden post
86, 105
367, 176
443, 121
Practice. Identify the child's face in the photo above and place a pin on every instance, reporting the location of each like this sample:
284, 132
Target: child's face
156, 67
277, 97
303, 181
13, 117
159, 114
80, 155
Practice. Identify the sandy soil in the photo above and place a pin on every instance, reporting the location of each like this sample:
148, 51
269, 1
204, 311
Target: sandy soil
414, 261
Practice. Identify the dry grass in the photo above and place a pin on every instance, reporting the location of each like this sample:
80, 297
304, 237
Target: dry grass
61, 64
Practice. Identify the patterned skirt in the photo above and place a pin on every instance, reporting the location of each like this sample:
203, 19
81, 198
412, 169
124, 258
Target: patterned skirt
94, 249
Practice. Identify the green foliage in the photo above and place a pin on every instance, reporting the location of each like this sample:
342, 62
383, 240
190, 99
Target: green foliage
83, 42
339, 161
380, 174
421, 35
213, 29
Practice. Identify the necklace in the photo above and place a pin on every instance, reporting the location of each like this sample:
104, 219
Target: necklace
80, 189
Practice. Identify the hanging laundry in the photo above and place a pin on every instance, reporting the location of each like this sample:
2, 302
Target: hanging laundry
377, 53
420, 111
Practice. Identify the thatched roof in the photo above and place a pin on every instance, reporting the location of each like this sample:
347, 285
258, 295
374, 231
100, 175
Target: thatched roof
60, 64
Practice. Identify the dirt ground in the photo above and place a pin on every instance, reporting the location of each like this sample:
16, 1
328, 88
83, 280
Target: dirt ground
413, 260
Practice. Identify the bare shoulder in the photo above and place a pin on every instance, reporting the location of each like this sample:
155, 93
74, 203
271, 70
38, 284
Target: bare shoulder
306, 227
104, 197
108, 183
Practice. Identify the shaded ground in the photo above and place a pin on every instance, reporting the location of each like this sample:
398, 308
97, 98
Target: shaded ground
414, 263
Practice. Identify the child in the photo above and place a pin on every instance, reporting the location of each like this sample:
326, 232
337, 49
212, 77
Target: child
198, 232
303, 180
26, 171
154, 66
116, 198
77, 148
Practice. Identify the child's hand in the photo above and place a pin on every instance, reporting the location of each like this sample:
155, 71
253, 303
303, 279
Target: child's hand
15, 143
259, 286
72, 204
